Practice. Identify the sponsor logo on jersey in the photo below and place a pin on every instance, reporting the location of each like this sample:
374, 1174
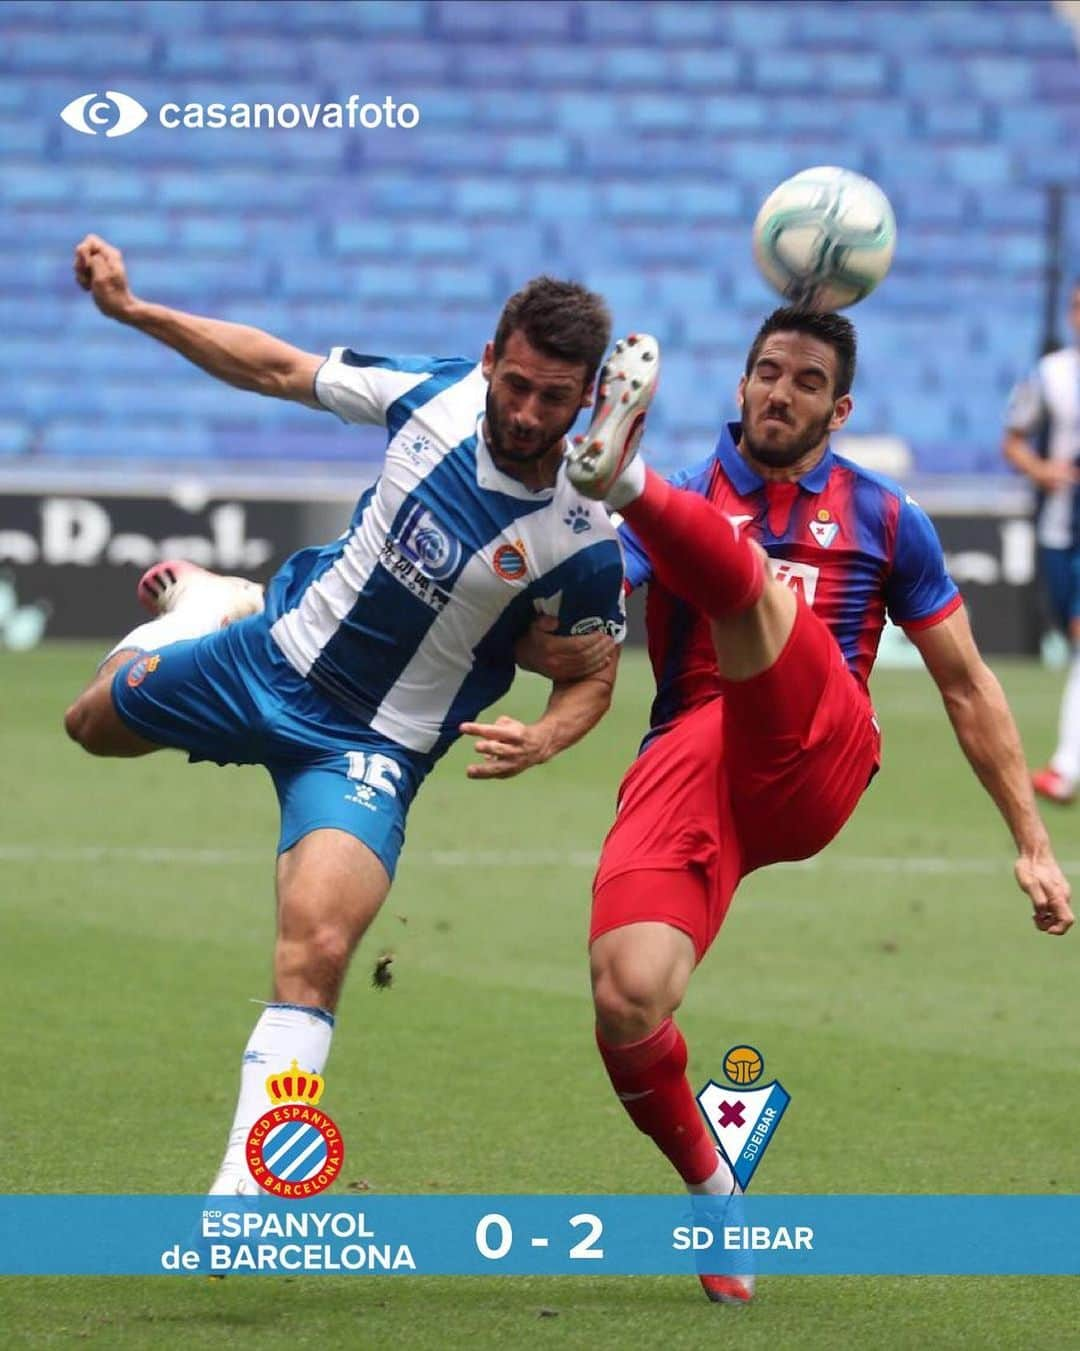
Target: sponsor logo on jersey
412, 579
743, 1120
141, 669
800, 577
577, 518
595, 624
426, 542
509, 561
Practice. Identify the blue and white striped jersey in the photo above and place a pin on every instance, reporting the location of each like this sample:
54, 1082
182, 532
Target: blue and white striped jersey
410, 618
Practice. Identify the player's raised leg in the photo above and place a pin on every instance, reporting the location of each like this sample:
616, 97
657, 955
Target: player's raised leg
695, 550
330, 887
187, 602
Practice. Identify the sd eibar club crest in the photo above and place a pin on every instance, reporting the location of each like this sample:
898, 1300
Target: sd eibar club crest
743, 1119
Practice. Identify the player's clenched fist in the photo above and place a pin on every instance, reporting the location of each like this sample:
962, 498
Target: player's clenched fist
1050, 893
99, 269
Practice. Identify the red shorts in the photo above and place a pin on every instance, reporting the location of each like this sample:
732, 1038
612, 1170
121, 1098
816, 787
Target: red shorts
769, 771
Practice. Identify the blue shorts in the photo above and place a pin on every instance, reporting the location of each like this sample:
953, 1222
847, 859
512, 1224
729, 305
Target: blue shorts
1061, 574
232, 698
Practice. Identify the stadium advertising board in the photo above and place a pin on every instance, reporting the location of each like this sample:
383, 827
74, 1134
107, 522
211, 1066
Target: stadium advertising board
72, 558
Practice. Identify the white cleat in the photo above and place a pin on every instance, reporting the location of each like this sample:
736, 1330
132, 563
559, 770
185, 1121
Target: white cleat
625, 387
174, 583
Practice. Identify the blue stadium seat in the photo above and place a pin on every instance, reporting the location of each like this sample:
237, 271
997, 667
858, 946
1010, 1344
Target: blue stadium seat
855, 72
15, 437
634, 67
71, 52
487, 197
126, 439
674, 23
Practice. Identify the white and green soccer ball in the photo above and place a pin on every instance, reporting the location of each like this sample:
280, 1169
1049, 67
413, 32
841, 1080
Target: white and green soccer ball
825, 238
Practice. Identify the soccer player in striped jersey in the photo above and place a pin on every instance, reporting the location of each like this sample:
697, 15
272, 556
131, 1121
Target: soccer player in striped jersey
771, 567
1042, 440
376, 651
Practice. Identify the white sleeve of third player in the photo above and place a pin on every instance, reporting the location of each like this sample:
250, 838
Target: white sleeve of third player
1027, 405
361, 388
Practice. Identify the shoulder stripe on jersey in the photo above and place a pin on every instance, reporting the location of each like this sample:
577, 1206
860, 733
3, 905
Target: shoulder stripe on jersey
402, 409
414, 365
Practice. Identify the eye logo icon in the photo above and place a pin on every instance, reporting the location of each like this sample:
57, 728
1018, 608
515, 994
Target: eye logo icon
115, 114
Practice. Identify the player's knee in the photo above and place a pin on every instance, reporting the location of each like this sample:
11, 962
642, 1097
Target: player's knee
83, 727
317, 960
629, 1003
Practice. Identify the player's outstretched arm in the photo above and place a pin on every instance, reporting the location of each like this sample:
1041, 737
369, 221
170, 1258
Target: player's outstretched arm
509, 747
239, 355
988, 735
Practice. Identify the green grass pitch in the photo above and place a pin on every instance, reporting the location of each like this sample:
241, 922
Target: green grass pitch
928, 1035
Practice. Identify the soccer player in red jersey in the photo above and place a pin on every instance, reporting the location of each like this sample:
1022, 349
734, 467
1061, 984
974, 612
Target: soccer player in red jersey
770, 568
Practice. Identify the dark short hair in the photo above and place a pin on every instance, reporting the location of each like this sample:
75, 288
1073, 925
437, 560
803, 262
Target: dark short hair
829, 328
561, 319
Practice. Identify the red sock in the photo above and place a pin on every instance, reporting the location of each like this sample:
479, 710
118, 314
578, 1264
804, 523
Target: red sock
655, 1068
695, 550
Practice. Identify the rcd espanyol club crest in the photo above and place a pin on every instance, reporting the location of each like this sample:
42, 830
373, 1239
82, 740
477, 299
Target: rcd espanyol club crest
743, 1119
294, 1149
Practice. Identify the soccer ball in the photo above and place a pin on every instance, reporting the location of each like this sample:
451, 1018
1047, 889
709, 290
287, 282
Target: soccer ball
825, 238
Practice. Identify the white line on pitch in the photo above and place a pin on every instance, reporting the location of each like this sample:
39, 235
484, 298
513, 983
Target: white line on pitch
493, 858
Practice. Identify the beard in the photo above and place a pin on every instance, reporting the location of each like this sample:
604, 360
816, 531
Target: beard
498, 435
783, 456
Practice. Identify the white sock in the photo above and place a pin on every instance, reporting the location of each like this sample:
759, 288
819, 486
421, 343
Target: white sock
187, 621
629, 485
720, 1183
1066, 759
284, 1033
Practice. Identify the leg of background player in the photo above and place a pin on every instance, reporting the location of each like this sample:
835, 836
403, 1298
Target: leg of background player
698, 553
1066, 758
330, 887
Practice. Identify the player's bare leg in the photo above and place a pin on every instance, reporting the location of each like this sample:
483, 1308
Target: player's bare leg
187, 602
93, 721
640, 973
330, 887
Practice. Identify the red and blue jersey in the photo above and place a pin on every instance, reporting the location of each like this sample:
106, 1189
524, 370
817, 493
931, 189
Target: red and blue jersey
852, 542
